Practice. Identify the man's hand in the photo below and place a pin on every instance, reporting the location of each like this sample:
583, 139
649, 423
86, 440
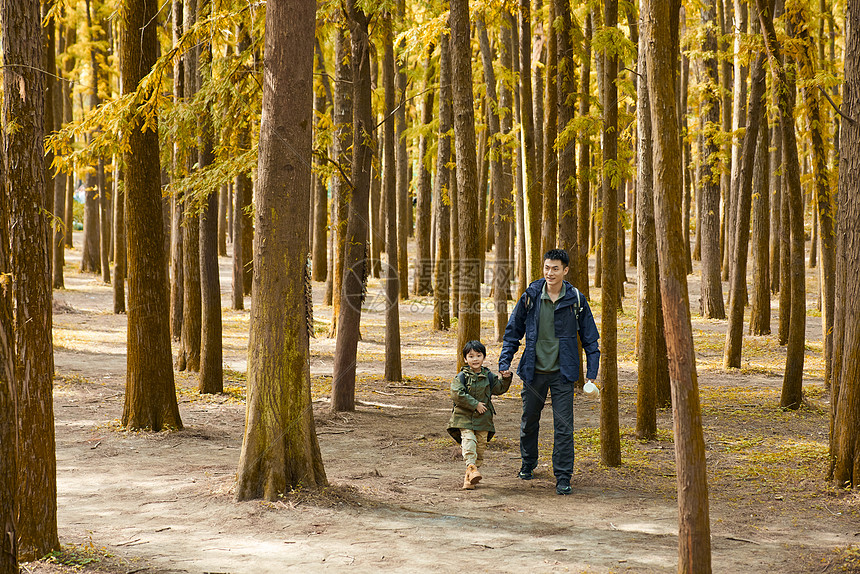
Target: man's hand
481, 408
506, 374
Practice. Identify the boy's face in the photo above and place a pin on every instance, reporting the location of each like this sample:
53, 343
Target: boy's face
474, 359
554, 271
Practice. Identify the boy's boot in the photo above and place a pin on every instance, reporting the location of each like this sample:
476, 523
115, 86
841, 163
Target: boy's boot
467, 484
473, 475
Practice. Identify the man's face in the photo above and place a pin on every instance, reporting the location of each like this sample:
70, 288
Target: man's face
554, 271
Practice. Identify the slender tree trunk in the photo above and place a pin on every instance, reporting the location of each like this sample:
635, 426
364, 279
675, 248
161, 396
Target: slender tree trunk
610, 441
739, 121
24, 104
423, 262
549, 236
90, 257
119, 256
792, 390
845, 378
404, 204
532, 185
519, 234
712, 291
58, 181
775, 208
760, 314
567, 196
584, 175
319, 243
177, 277
280, 449
724, 169
242, 196
104, 222
393, 369
646, 269
355, 238
469, 322
442, 261
70, 37
660, 28
741, 220
223, 205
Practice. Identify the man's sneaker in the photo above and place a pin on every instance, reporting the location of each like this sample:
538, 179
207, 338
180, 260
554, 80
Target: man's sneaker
526, 473
562, 487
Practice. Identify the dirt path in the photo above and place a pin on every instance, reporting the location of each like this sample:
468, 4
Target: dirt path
162, 502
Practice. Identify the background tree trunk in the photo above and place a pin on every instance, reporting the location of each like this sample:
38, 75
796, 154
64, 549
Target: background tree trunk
584, 175
90, 257
24, 104
177, 277
845, 387
404, 204
70, 36
660, 28
355, 239
119, 256
242, 197
469, 322
280, 449
150, 394
550, 168
760, 314
423, 262
57, 187
567, 196
442, 263
532, 186
319, 215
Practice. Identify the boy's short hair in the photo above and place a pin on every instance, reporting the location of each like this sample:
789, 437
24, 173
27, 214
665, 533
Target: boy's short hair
558, 255
476, 346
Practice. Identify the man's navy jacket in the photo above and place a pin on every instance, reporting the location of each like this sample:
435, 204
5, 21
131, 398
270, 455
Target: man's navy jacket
524, 321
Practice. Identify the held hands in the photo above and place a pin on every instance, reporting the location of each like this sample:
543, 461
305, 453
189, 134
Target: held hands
506, 374
481, 408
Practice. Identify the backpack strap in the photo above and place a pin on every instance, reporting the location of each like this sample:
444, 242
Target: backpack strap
576, 303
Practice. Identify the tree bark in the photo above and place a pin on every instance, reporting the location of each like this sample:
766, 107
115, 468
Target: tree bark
610, 440
760, 314
119, 256
584, 175
319, 210
775, 207
845, 379
549, 234
423, 263
391, 168
242, 196
280, 450
442, 262
177, 277
355, 238
469, 322
660, 28
404, 205
532, 185
90, 256
711, 301
741, 220
56, 183
223, 204
504, 202
24, 104
567, 196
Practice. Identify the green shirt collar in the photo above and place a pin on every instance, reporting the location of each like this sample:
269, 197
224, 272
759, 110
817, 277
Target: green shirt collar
545, 295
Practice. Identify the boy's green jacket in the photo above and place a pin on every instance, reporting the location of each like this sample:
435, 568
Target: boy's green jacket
468, 389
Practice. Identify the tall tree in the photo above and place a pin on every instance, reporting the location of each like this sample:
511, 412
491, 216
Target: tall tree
404, 204
90, 256
845, 377
177, 216
423, 219
319, 215
57, 182
280, 450
24, 104
567, 92
355, 237
610, 440
69, 37
532, 184
712, 291
550, 168
391, 177
741, 221
442, 263
760, 313
792, 389
584, 175
119, 257
660, 28
469, 322
243, 229
150, 392
189, 339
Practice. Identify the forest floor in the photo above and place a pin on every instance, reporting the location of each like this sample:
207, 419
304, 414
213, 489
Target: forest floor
141, 502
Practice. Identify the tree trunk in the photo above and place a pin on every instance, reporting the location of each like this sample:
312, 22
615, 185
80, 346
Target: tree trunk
70, 37
355, 238
119, 256
741, 221
549, 235
8, 388
584, 175
104, 220
177, 277
319, 215
519, 229
404, 205
792, 390
280, 449
469, 322
24, 104
223, 205
393, 371
90, 257
57, 187
646, 269
150, 397
660, 28
739, 121
242, 197
845, 378
712, 291
567, 196
724, 169
423, 262
442, 262
189, 341
775, 207
760, 314
341, 188
532, 184
211, 378
610, 441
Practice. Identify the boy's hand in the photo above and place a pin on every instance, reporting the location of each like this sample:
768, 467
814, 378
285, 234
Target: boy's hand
481, 408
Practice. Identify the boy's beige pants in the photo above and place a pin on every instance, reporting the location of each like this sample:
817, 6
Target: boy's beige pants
473, 444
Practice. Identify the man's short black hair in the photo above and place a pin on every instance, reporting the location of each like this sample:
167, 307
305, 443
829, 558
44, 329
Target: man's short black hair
476, 346
558, 255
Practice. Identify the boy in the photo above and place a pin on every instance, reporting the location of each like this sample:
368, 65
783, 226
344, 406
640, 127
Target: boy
471, 421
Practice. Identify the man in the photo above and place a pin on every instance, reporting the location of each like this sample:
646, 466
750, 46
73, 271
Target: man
550, 314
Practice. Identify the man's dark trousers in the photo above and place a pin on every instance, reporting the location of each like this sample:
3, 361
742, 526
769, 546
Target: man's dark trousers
534, 397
